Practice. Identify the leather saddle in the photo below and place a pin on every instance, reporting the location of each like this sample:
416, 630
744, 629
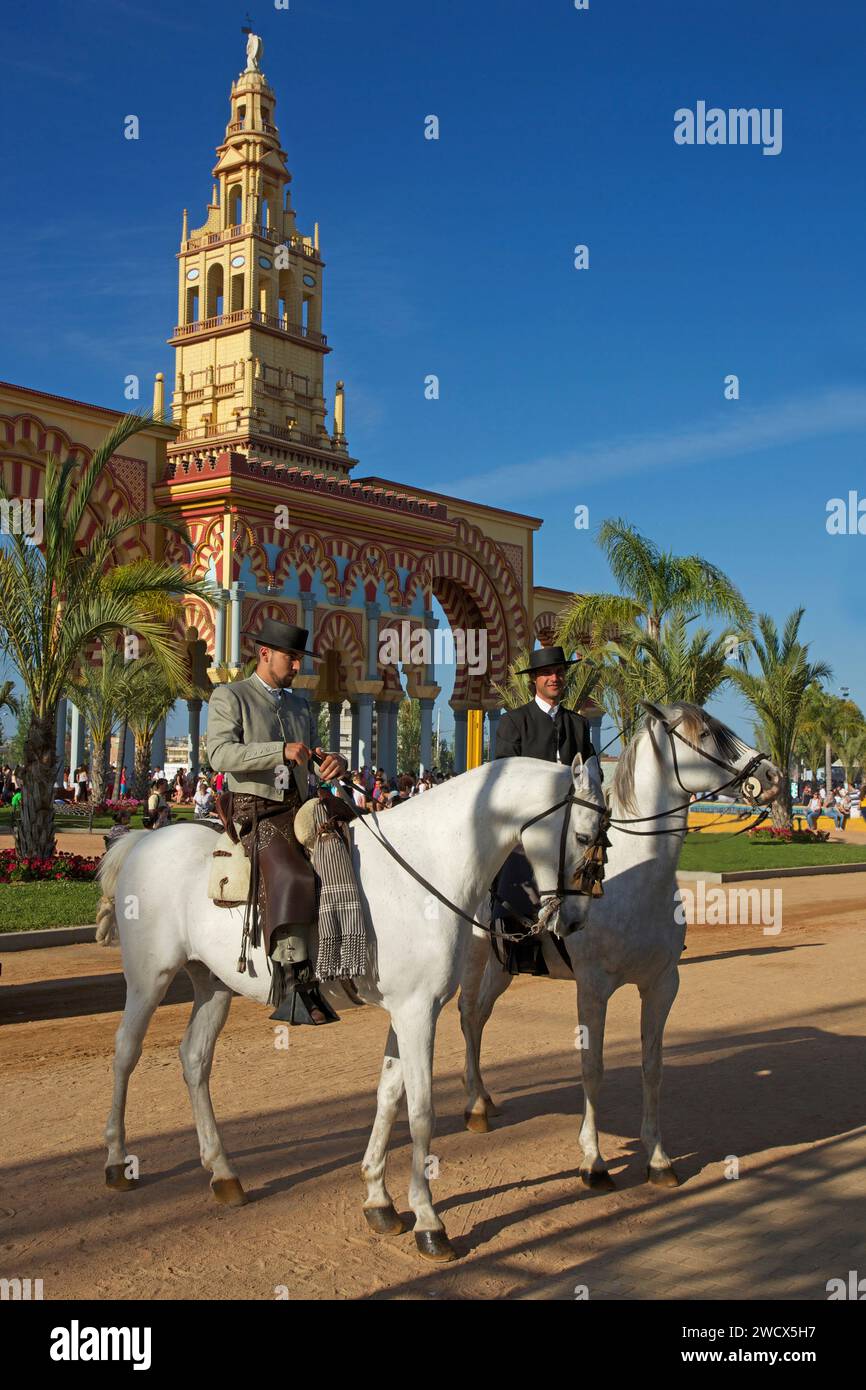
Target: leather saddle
290, 881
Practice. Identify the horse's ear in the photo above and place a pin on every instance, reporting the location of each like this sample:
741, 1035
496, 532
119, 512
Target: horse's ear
577, 767
653, 710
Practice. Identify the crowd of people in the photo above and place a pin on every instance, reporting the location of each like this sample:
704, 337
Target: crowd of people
372, 790
841, 803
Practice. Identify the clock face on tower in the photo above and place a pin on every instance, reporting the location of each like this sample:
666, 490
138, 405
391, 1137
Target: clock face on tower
264, 263
238, 260
309, 279
192, 275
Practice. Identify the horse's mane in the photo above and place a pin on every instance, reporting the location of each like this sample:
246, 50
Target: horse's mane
695, 722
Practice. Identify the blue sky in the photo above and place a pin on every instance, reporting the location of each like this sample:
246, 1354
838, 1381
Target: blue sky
559, 387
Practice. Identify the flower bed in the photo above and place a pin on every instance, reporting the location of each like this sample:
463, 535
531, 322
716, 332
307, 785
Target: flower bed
110, 808
70, 868
774, 835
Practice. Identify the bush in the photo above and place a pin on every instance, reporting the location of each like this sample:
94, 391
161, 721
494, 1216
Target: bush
110, 808
71, 868
774, 835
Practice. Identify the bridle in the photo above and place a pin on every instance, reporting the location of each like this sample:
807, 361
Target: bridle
744, 778
590, 869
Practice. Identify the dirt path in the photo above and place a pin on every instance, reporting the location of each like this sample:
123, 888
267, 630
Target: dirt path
766, 1063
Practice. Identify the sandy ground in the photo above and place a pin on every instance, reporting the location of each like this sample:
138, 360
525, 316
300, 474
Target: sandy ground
766, 1063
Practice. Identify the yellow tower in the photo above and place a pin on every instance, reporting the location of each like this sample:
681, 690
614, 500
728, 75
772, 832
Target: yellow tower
249, 344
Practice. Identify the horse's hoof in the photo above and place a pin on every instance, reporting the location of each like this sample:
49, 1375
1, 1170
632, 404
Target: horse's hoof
476, 1121
662, 1177
228, 1192
599, 1179
384, 1221
435, 1245
116, 1177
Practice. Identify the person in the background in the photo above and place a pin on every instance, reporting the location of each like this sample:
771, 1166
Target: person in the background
81, 784
157, 805
203, 799
120, 828
814, 806
123, 783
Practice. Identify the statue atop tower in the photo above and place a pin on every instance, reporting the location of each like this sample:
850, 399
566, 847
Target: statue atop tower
255, 51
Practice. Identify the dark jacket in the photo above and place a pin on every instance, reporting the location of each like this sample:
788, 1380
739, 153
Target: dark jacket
530, 733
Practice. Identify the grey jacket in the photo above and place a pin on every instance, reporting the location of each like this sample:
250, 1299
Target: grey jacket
245, 738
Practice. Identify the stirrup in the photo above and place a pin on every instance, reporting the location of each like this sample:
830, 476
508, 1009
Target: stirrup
299, 1003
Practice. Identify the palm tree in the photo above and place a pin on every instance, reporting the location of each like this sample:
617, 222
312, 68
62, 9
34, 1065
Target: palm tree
58, 598
777, 693
852, 751
101, 690
653, 584
672, 667
627, 632
409, 736
151, 698
8, 701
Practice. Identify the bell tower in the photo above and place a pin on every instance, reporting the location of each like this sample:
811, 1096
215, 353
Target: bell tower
249, 345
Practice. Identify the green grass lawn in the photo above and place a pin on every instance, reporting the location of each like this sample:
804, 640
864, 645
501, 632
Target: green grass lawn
725, 853
26, 906
69, 822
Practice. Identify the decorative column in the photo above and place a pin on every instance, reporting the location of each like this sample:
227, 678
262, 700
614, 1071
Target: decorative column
381, 732
128, 759
194, 710
365, 729
431, 622
219, 641
236, 594
157, 747
76, 747
393, 718
335, 710
353, 750
373, 613
60, 737
426, 735
315, 711
493, 718
595, 731
460, 717
309, 604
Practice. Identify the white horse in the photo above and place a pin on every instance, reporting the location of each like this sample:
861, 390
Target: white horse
634, 934
456, 839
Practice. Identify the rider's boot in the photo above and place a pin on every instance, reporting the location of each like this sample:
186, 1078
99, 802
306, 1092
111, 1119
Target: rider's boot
302, 1000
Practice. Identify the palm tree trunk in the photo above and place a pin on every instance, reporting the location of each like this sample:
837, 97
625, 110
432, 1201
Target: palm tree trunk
35, 837
141, 774
828, 765
121, 749
781, 809
98, 769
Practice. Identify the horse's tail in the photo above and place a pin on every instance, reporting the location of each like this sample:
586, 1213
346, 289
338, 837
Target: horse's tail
109, 872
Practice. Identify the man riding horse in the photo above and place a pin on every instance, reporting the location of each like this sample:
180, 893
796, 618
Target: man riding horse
542, 728
262, 736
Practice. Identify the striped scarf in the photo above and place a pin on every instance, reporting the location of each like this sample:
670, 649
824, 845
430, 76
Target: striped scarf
342, 952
